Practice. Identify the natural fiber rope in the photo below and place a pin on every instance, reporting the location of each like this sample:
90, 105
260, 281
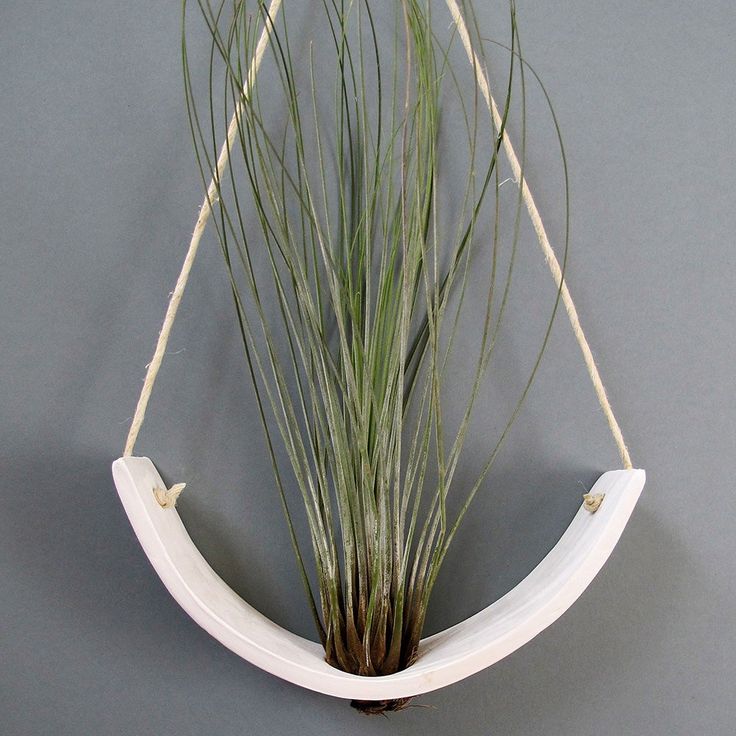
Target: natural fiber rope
204, 215
538, 225
206, 211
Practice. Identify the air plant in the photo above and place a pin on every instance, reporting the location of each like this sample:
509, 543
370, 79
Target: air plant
349, 277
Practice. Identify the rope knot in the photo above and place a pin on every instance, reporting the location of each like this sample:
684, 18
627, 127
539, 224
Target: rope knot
592, 501
167, 497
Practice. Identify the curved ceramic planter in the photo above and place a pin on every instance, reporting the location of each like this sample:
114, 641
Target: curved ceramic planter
488, 636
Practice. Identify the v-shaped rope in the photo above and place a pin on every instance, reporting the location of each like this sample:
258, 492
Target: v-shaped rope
206, 210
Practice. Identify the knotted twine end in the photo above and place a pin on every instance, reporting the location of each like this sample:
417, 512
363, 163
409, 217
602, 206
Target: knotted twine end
592, 501
167, 497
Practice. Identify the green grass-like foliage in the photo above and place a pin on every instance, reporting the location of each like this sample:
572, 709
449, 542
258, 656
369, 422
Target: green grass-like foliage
350, 287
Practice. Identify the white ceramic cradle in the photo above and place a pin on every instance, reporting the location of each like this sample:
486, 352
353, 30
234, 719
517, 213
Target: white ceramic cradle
462, 650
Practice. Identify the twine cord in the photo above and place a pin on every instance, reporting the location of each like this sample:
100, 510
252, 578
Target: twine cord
204, 215
539, 229
518, 178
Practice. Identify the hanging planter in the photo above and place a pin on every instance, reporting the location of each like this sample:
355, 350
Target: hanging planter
369, 290
443, 658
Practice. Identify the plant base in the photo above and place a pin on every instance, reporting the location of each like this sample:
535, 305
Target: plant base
379, 707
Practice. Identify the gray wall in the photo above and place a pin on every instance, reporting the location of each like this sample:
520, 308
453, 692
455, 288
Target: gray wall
98, 193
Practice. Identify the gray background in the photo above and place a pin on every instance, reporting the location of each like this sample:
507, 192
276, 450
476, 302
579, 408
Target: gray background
98, 193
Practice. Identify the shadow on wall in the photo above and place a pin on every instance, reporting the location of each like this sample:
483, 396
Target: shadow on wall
73, 554
605, 643
67, 539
